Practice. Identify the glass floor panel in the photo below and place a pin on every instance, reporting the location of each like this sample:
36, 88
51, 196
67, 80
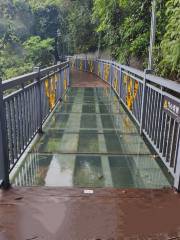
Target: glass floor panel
88, 121
90, 141
91, 92
92, 121
90, 171
79, 99
99, 108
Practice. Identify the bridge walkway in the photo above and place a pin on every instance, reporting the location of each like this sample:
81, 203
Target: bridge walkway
90, 141
82, 146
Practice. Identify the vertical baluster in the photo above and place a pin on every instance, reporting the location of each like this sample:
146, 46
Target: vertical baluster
36, 107
9, 132
28, 115
32, 109
17, 126
163, 124
168, 142
160, 121
154, 108
148, 110
22, 120
140, 90
23, 105
165, 129
173, 144
152, 113
20, 124
177, 162
156, 128
13, 122
144, 96
39, 102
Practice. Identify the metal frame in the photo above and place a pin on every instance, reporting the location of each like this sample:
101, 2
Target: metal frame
24, 107
143, 95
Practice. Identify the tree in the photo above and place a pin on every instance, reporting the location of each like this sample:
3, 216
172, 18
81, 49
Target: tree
125, 27
38, 51
168, 63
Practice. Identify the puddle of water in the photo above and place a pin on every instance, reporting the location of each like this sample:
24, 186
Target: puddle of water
90, 142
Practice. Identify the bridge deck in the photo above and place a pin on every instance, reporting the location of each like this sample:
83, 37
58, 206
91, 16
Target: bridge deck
89, 142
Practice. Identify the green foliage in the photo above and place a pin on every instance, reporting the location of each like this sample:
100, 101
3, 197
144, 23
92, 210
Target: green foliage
125, 25
39, 32
80, 27
16, 16
170, 44
12, 61
39, 52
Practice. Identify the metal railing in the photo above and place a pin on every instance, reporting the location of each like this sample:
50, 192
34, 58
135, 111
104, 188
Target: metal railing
25, 104
153, 102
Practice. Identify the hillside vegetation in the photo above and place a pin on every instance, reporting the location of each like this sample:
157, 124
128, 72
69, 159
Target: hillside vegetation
39, 33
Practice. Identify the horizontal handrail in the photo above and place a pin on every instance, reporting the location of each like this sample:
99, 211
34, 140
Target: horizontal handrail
13, 82
174, 86
164, 82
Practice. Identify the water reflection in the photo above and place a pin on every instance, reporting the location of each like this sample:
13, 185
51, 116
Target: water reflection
90, 171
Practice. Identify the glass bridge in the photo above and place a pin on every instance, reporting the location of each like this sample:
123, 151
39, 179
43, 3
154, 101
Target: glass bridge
90, 141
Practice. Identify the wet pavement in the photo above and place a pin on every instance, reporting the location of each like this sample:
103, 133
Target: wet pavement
81, 79
95, 146
108, 214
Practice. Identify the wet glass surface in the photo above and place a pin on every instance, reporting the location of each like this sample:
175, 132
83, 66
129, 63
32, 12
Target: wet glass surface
90, 141
90, 171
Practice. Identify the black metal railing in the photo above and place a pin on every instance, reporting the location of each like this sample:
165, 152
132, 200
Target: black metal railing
153, 102
25, 104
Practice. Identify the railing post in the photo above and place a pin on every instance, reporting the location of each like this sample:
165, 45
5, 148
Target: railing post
143, 106
4, 155
177, 174
40, 117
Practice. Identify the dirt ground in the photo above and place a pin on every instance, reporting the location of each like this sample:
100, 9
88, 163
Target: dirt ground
107, 214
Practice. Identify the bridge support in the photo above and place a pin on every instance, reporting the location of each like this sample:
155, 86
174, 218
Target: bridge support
4, 156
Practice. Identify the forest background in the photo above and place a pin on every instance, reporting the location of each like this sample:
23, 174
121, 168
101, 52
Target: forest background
40, 32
